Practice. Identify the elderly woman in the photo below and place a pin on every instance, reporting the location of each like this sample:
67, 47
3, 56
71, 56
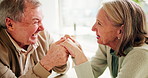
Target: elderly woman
122, 38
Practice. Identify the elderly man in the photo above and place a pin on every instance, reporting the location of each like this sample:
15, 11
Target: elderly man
26, 50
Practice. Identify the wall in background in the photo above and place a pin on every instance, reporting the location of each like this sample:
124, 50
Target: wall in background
51, 15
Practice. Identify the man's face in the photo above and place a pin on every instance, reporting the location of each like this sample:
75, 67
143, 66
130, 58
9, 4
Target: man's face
25, 32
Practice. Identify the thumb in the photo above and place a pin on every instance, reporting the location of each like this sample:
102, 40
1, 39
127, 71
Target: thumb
60, 41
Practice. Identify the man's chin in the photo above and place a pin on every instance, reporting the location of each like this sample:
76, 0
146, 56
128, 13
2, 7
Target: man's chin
33, 42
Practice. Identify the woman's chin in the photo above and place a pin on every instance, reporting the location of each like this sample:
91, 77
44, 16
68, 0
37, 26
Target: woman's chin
100, 42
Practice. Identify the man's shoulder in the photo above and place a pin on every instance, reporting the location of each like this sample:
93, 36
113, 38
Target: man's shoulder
3, 48
4, 53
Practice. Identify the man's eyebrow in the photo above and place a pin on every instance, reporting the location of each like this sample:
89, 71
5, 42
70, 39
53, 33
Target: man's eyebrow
35, 19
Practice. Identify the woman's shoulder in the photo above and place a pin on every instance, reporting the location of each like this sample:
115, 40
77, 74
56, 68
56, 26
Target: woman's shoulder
136, 61
141, 51
142, 48
137, 55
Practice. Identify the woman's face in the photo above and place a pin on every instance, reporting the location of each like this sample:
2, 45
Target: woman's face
107, 34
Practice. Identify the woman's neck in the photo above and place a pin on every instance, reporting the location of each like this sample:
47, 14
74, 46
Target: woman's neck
114, 44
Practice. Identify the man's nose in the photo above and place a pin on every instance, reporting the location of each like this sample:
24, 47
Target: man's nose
41, 27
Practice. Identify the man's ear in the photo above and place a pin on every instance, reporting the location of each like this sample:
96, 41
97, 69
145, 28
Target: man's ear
9, 24
120, 32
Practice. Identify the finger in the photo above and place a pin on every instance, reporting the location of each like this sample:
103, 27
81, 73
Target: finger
70, 46
63, 38
60, 41
69, 51
72, 39
67, 36
79, 45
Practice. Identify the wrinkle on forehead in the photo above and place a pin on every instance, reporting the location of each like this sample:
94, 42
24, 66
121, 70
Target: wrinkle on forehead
102, 13
32, 13
102, 16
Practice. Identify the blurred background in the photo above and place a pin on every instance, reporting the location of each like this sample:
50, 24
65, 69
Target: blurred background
76, 17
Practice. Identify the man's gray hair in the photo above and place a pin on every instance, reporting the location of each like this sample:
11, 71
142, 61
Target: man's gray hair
14, 9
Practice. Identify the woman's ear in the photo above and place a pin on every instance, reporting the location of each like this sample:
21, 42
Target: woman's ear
120, 32
9, 24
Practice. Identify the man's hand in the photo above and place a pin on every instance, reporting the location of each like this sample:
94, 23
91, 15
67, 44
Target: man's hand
56, 56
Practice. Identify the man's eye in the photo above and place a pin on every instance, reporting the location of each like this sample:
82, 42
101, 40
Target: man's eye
35, 22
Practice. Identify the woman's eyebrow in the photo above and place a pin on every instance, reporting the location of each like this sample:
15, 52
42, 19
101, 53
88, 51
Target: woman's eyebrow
98, 21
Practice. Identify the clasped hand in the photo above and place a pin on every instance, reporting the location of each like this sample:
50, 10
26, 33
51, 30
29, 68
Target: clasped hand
59, 52
74, 49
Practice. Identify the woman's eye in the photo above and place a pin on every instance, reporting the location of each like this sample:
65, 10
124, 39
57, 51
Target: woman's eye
98, 23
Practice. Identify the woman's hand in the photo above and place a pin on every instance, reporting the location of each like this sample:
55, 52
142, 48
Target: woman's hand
74, 49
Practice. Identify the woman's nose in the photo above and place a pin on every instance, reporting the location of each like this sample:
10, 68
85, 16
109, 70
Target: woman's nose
93, 28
